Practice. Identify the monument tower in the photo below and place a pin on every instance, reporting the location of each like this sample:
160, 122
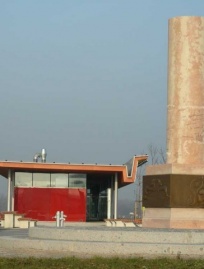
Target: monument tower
173, 193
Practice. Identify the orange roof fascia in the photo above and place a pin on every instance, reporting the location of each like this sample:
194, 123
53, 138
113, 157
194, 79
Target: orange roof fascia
83, 168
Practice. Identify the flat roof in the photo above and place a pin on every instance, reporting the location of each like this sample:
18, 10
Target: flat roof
126, 172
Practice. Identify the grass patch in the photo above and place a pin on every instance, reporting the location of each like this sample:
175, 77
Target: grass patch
99, 263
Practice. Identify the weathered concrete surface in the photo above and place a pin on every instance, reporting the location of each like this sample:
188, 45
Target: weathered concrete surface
86, 241
56, 248
185, 132
178, 169
177, 218
118, 235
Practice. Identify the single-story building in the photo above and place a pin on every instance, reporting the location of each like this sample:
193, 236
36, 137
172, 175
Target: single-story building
84, 192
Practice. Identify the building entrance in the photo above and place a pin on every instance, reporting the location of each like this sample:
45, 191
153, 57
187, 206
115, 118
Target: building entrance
96, 204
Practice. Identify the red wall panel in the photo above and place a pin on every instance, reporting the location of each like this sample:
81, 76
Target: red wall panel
43, 203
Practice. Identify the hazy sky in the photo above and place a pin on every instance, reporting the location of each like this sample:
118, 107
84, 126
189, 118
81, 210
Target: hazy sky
87, 80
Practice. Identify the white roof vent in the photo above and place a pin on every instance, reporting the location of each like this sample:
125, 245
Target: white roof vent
41, 155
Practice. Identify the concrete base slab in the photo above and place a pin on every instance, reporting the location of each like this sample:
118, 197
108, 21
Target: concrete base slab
90, 241
91, 249
118, 235
165, 169
176, 218
9, 219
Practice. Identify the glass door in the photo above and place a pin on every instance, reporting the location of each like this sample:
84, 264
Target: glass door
97, 197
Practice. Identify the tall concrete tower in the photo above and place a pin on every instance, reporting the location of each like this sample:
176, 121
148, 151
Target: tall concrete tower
173, 193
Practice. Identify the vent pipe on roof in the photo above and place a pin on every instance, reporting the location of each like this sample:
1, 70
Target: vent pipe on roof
36, 156
41, 155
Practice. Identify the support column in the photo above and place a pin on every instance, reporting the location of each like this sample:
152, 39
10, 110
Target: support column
109, 203
9, 191
112, 197
12, 191
116, 196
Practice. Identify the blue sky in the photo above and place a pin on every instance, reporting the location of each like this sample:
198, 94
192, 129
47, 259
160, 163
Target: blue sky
87, 80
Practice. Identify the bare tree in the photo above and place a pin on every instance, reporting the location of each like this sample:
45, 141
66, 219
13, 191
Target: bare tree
156, 156
162, 155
